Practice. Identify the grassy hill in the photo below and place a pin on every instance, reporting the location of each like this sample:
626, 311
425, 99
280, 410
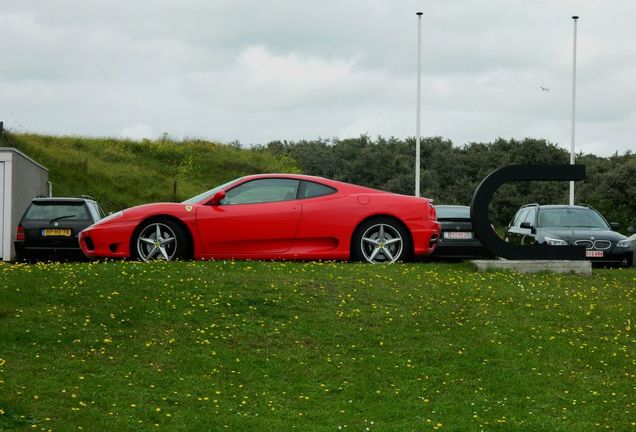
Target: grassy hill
122, 173
261, 346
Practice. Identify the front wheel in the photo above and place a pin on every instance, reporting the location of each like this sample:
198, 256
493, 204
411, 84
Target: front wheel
381, 240
161, 239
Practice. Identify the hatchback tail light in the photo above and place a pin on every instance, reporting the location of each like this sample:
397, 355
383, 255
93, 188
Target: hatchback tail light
20, 234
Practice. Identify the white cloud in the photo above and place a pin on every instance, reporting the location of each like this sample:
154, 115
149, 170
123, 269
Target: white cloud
257, 71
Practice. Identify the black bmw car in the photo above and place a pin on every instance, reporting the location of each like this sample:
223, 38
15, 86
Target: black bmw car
50, 226
562, 225
457, 239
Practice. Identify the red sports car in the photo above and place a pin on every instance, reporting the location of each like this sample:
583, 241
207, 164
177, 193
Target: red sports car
271, 216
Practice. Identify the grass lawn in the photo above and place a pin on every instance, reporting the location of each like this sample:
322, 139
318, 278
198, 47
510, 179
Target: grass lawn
261, 346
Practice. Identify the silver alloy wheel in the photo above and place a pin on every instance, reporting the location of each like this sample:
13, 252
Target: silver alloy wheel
381, 243
156, 241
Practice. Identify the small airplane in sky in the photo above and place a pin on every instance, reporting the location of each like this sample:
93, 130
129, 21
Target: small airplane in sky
545, 89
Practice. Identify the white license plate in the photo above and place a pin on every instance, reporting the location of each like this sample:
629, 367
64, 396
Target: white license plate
49, 232
458, 235
594, 254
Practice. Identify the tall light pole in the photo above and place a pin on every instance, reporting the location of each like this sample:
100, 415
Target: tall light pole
574, 18
419, 102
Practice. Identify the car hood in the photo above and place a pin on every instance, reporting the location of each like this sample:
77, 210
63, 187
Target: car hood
572, 234
147, 210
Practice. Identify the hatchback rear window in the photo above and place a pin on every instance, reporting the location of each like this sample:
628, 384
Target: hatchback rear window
444, 212
52, 211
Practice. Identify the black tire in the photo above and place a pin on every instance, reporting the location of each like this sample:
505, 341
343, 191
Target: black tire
381, 240
160, 239
21, 257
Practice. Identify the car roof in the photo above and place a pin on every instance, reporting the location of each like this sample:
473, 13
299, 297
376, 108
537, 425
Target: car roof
350, 187
60, 199
558, 206
564, 206
295, 176
451, 206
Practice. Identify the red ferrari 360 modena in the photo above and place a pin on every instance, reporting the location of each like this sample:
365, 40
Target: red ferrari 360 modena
271, 216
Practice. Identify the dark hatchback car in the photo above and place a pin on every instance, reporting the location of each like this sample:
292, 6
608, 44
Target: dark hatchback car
562, 225
50, 226
457, 239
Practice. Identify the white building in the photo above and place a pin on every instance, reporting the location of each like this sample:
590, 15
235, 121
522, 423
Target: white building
21, 180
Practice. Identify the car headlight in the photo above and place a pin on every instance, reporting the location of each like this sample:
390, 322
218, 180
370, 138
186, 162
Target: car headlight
110, 217
623, 243
555, 241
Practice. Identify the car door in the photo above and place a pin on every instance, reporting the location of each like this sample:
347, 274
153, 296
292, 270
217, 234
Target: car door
323, 222
257, 218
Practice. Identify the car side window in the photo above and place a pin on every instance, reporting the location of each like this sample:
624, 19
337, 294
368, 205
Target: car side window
262, 191
530, 217
96, 211
309, 189
521, 216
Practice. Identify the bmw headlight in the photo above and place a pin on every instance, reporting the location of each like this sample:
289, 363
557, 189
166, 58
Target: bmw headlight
555, 241
623, 243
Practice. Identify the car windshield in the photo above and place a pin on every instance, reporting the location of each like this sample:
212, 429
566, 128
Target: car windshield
208, 194
571, 218
52, 211
452, 212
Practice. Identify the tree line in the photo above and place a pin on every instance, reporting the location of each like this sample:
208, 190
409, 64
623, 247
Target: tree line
450, 174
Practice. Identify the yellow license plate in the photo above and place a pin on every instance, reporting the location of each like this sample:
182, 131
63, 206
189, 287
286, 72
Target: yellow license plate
56, 232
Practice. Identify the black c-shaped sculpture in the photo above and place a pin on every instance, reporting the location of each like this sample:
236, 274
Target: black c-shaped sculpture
481, 221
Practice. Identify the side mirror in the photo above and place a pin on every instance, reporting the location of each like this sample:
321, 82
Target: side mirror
631, 230
615, 225
527, 225
217, 198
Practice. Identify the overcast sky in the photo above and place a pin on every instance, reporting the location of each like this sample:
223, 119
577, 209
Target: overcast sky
257, 71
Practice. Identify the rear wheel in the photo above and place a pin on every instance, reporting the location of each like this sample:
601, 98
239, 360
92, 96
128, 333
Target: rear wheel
381, 240
161, 239
21, 257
